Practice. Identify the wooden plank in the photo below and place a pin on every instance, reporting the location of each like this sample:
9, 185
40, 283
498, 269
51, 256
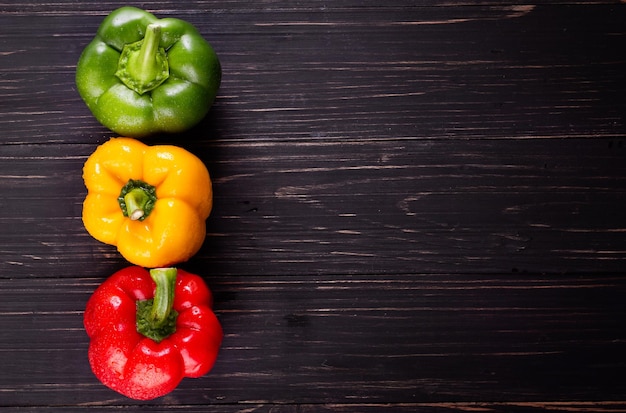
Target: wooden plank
351, 207
363, 339
313, 73
511, 407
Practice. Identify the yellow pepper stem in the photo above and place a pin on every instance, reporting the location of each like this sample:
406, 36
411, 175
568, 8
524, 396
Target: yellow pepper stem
137, 199
134, 200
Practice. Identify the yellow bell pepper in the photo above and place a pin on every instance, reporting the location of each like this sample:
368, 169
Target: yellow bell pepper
149, 201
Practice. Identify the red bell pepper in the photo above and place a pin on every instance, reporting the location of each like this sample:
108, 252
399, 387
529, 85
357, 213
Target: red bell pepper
149, 329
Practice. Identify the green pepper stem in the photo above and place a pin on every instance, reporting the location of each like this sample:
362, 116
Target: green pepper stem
165, 280
146, 65
143, 65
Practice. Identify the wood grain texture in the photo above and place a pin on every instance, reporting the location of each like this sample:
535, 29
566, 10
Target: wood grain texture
418, 207
304, 73
366, 339
353, 207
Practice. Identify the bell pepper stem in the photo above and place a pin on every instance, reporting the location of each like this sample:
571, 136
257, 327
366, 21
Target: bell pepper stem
143, 65
146, 65
156, 317
135, 201
165, 280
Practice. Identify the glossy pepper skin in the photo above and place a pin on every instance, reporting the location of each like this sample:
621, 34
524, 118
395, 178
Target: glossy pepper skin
133, 300
149, 201
141, 75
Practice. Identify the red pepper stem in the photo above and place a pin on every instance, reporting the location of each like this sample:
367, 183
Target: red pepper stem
165, 280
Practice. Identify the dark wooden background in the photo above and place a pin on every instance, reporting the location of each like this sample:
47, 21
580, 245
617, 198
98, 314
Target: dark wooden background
419, 206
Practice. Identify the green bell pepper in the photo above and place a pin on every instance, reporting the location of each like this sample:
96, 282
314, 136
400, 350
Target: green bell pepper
141, 75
